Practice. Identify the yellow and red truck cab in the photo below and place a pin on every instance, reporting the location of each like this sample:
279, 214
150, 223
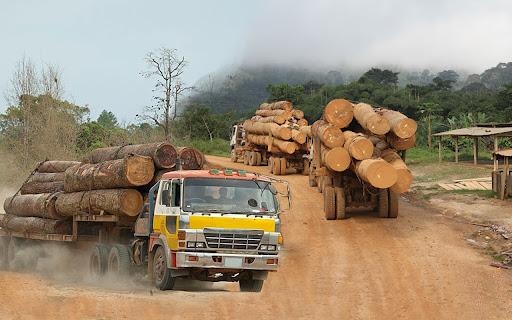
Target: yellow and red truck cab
216, 225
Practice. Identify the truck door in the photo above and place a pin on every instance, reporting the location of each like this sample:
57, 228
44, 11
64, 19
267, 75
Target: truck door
167, 211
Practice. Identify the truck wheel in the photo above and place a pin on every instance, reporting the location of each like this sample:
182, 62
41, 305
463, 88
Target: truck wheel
98, 261
119, 261
4, 245
305, 167
162, 274
246, 158
341, 211
250, 285
270, 164
276, 166
383, 203
258, 159
319, 183
329, 203
393, 204
283, 166
233, 156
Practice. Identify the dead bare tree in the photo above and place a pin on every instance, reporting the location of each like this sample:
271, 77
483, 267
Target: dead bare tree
24, 81
167, 67
178, 90
51, 81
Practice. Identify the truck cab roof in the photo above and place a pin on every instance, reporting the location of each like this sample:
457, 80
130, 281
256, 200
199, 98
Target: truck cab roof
215, 174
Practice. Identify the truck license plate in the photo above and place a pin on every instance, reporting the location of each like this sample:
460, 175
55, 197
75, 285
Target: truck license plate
233, 262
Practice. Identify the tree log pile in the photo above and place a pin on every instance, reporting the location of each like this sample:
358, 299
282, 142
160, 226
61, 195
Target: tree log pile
279, 127
110, 181
365, 140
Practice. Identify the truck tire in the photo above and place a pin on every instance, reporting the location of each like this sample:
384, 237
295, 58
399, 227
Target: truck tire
393, 204
383, 206
162, 274
329, 203
250, 285
234, 157
305, 167
98, 261
319, 184
283, 166
276, 166
341, 210
119, 262
4, 245
258, 158
246, 158
270, 163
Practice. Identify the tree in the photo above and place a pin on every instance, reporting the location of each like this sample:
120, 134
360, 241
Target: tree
449, 75
167, 67
286, 92
441, 84
378, 76
428, 109
107, 119
51, 81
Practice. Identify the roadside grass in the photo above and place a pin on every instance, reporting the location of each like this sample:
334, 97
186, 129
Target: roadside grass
215, 147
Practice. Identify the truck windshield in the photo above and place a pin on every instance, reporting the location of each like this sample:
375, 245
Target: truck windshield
229, 196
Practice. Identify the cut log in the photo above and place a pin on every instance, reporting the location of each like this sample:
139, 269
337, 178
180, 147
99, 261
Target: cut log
54, 166
273, 129
279, 105
35, 187
34, 225
191, 158
330, 135
298, 114
339, 113
370, 120
404, 175
288, 147
32, 205
399, 143
358, 145
118, 202
47, 177
299, 136
377, 172
163, 154
131, 171
302, 122
306, 130
271, 113
402, 126
272, 119
336, 159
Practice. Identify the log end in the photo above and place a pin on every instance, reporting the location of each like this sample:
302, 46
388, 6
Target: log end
139, 170
403, 182
406, 128
337, 159
131, 202
380, 174
378, 125
165, 156
339, 112
361, 148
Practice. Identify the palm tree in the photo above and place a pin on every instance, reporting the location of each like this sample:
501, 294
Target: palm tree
428, 109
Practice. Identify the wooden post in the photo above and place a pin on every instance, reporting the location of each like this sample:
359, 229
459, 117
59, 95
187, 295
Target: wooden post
439, 148
475, 150
495, 161
456, 149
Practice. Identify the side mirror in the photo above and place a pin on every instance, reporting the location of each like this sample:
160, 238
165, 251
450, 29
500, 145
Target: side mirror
166, 197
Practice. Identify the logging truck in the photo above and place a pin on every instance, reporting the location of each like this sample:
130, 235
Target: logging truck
258, 150
210, 225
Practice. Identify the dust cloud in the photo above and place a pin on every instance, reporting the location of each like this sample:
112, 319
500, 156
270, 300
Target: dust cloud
465, 35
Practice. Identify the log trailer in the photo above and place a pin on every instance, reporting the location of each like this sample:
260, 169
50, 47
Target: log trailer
257, 154
210, 225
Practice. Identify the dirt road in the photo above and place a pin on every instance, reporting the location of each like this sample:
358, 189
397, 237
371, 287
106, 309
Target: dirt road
416, 267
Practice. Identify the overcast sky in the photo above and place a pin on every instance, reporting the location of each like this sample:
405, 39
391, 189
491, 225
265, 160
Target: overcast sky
100, 45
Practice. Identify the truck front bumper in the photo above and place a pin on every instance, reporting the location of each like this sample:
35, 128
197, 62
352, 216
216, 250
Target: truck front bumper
226, 261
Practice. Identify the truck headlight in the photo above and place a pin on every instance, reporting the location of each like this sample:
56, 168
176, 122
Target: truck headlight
191, 244
264, 247
271, 247
200, 244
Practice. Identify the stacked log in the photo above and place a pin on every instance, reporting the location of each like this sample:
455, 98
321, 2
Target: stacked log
164, 154
370, 138
108, 182
278, 127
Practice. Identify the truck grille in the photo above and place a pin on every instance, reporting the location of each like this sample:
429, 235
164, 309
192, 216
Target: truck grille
237, 240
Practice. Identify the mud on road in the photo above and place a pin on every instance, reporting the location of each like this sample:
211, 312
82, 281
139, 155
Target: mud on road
415, 267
